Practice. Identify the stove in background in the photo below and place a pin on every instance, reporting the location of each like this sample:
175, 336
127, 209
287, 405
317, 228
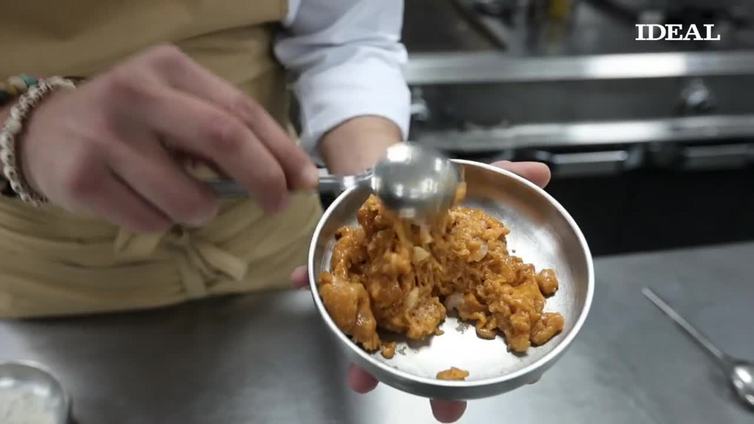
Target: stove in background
651, 144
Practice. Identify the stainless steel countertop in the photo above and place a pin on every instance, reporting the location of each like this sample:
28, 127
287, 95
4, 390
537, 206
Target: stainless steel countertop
267, 358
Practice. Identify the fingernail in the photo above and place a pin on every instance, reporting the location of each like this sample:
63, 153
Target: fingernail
282, 204
310, 177
205, 219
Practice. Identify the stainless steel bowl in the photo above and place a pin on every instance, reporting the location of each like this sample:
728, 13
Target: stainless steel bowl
31, 384
542, 233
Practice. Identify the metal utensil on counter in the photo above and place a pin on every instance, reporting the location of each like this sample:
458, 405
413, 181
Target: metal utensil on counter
739, 372
413, 180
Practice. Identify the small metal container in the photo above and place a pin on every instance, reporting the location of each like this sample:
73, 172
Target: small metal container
30, 393
541, 232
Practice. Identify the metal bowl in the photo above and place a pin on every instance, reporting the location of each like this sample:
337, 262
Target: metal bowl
541, 232
30, 382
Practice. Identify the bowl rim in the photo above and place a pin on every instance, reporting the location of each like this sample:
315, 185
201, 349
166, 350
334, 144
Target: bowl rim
539, 363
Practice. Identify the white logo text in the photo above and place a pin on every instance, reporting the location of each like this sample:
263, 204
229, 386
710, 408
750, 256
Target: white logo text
675, 32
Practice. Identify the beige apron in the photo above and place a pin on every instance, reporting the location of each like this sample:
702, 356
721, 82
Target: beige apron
56, 263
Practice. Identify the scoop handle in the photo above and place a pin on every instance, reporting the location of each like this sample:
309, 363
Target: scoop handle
328, 183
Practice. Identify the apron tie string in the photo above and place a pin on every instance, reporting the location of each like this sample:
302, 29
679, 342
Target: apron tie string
200, 263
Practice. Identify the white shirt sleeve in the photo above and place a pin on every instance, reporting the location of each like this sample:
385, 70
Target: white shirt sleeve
347, 61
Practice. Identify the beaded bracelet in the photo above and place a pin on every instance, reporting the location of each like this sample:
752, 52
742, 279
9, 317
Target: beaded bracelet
10, 89
13, 126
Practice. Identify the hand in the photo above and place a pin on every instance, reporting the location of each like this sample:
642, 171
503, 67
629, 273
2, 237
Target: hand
362, 382
107, 148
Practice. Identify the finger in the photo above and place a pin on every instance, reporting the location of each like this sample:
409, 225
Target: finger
105, 196
300, 277
188, 76
536, 172
150, 171
447, 411
204, 129
359, 380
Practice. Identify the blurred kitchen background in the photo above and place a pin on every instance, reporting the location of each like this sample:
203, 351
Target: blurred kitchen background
651, 143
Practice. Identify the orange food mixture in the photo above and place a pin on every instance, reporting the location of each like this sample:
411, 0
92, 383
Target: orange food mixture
392, 274
452, 373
